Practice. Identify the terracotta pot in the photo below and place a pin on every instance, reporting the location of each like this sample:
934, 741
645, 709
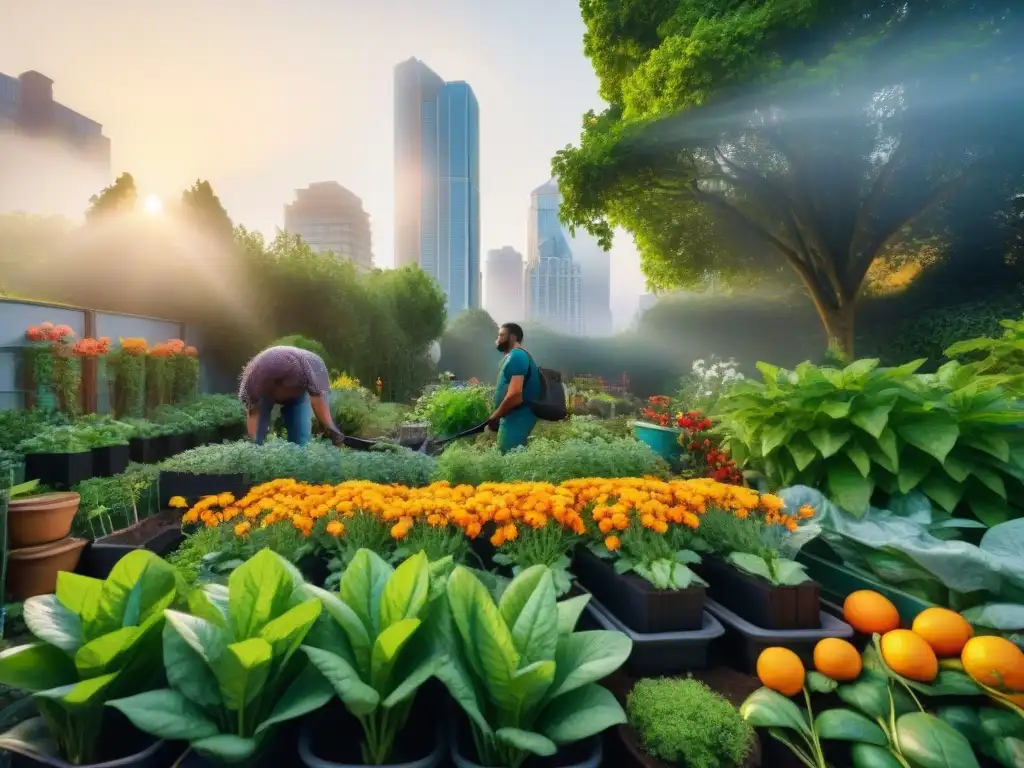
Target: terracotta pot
40, 519
33, 570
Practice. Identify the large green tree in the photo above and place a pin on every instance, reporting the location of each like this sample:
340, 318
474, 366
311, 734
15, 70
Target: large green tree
120, 197
742, 135
201, 208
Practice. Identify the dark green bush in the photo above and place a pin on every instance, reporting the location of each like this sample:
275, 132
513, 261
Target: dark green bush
683, 722
350, 409
450, 410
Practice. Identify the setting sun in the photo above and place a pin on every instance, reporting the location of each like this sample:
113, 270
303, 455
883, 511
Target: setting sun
153, 204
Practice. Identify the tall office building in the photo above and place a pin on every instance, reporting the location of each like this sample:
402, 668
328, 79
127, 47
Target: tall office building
504, 283
553, 280
437, 181
329, 217
51, 157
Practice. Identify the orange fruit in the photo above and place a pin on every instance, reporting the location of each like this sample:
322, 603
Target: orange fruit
781, 670
946, 631
869, 612
909, 655
837, 659
994, 661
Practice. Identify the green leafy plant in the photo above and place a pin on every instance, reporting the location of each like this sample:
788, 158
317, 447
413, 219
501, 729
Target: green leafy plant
450, 410
1002, 354
864, 431
127, 367
995, 733
382, 647
663, 559
350, 409
683, 722
525, 681
67, 439
95, 641
233, 664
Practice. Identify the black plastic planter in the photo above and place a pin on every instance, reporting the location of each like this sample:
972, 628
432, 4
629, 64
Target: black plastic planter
58, 470
157, 755
193, 487
161, 534
311, 741
760, 602
635, 601
172, 445
110, 460
145, 450
584, 754
743, 641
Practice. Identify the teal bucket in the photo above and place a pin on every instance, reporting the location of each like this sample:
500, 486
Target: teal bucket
664, 441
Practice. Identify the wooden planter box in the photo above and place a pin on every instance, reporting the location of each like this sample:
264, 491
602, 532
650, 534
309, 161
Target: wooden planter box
760, 602
636, 602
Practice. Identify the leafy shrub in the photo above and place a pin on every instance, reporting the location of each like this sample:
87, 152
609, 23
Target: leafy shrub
16, 426
188, 558
450, 410
302, 342
865, 430
318, 462
683, 722
1002, 354
463, 464
350, 410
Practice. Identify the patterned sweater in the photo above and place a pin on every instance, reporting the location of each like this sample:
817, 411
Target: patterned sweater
296, 366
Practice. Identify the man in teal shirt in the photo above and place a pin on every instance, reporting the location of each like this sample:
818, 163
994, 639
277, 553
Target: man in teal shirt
518, 384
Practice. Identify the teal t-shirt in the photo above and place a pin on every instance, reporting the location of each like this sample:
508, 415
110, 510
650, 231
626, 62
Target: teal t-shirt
517, 425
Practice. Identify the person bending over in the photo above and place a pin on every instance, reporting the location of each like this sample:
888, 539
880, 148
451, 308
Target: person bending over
295, 379
518, 384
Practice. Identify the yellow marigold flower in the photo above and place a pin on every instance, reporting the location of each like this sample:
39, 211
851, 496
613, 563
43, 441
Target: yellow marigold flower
177, 502
335, 528
613, 543
805, 511
242, 529
225, 499
399, 531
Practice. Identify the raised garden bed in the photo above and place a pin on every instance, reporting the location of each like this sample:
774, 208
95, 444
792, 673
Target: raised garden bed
110, 460
637, 603
161, 534
193, 487
59, 470
744, 641
146, 450
760, 602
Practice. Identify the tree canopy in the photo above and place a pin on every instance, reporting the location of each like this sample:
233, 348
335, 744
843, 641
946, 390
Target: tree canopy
743, 136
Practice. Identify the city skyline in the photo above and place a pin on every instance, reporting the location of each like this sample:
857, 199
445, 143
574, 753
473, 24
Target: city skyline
313, 99
329, 217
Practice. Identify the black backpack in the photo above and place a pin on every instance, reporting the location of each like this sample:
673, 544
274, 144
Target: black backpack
550, 405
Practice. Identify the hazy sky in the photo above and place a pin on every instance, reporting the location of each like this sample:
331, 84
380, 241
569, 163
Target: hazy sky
265, 96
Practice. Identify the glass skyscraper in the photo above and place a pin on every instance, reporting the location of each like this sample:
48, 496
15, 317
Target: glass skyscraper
437, 181
553, 281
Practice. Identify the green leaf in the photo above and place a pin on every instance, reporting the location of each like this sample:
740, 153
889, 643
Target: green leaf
36, 667
828, 442
858, 369
260, 589
765, 708
1005, 617
914, 467
847, 725
870, 756
586, 657
52, 622
888, 445
965, 720
362, 586
935, 434
802, 451
187, 671
1007, 751
140, 586
308, 692
359, 698
527, 741
530, 685
754, 564
928, 742
835, 409
519, 591
406, 591
80, 595
535, 629
569, 612
350, 623
991, 480
990, 443
287, 632
873, 419
868, 694
773, 437
819, 683
855, 453
226, 748
486, 640
166, 714
580, 713
202, 637
942, 490
848, 488
242, 671
997, 723
106, 653
386, 650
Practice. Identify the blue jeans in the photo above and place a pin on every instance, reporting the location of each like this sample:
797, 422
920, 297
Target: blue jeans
297, 415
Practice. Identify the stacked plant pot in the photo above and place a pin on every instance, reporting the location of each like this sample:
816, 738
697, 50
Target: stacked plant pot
40, 542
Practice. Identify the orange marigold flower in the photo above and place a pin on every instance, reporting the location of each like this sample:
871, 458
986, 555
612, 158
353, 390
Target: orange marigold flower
335, 528
242, 529
613, 543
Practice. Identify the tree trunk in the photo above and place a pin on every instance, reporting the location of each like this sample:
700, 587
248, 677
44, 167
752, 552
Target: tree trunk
839, 324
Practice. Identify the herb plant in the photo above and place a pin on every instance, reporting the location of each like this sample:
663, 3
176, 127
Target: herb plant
67, 439
95, 641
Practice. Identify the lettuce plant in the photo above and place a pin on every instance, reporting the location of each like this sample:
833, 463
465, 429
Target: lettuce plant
525, 680
233, 664
379, 644
96, 640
